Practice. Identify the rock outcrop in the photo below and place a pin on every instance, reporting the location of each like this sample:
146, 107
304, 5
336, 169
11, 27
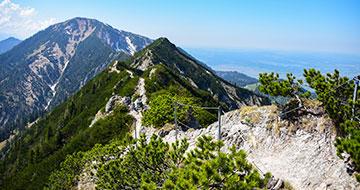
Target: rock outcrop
302, 152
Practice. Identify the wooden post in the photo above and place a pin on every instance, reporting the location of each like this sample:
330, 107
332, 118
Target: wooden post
176, 126
219, 127
354, 97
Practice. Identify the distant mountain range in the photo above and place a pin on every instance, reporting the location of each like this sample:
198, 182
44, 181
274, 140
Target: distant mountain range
236, 78
7, 44
45, 69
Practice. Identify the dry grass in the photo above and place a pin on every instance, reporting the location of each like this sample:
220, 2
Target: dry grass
269, 117
251, 114
288, 186
2, 144
276, 129
312, 103
168, 127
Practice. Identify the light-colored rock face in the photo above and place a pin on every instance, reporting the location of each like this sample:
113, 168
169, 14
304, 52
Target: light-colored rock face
131, 46
121, 40
49, 62
135, 111
231, 91
144, 62
302, 154
152, 72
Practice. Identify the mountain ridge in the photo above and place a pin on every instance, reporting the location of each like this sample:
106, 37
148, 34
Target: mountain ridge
237, 78
196, 73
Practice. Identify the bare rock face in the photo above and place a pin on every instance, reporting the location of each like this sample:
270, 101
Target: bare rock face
301, 153
111, 103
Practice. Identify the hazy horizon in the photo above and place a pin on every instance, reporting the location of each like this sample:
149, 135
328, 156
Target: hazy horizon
255, 61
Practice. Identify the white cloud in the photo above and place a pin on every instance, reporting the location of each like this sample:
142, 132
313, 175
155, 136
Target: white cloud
20, 21
27, 12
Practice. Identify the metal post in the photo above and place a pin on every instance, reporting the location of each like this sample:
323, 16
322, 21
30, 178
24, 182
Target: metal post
219, 127
354, 98
176, 125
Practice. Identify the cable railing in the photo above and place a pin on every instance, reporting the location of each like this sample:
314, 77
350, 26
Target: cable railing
177, 104
178, 123
219, 127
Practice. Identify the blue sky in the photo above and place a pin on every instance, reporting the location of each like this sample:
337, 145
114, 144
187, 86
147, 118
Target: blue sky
302, 25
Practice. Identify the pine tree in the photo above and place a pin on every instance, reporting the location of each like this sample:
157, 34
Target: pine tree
290, 87
162, 110
271, 84
334, 91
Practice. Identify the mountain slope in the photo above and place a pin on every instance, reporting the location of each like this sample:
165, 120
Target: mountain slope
7, 44
110, 106
35, 152
46, 68
236, 78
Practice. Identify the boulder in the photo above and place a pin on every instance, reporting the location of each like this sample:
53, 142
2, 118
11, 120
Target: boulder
111, 102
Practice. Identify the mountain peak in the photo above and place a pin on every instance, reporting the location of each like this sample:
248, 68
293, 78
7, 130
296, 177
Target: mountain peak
161, 43
11, 39
161, 51
8, 44
82, 20
163, 40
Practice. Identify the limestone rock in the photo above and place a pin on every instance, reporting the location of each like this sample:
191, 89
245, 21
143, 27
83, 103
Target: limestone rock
111, 103
302, 153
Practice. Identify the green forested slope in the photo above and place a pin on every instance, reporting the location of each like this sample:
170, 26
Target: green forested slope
40, 149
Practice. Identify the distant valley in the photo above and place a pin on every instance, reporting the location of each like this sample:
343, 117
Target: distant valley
252, 62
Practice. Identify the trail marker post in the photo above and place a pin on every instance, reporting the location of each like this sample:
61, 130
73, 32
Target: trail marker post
356, 81
175, 117
218, 135
219, 119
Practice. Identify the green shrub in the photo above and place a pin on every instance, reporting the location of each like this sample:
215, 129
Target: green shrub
157, 165
162, 110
